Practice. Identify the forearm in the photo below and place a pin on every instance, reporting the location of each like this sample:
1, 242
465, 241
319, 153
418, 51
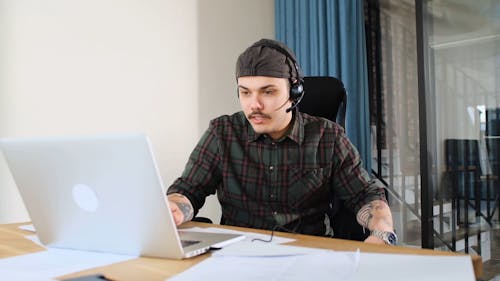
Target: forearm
183, 211
376, 215
201, 176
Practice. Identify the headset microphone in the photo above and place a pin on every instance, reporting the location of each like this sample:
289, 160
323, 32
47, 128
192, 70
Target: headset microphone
281, 106
295, 103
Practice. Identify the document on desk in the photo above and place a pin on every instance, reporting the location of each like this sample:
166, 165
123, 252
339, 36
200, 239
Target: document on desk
263, 249
27, 227
249, 236
396, 267
22, 276
259, 261
288, 265
56, 262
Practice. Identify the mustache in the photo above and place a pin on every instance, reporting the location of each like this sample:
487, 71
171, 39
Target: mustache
258, 113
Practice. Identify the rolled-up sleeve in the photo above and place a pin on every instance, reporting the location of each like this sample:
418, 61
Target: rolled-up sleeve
351, 182
201, 174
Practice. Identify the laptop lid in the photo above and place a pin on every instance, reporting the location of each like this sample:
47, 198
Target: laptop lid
99, 193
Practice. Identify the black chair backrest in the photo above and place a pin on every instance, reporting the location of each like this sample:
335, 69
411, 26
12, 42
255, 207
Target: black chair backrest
326, 97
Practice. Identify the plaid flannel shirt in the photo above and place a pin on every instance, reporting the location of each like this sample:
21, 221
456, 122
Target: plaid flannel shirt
264, 183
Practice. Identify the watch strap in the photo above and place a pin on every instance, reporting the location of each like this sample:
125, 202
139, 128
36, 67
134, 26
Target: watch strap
388, 237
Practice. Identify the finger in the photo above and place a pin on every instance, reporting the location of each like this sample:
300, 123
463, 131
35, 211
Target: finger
178, 216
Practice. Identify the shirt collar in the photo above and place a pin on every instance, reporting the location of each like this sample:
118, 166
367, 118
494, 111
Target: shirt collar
296, 134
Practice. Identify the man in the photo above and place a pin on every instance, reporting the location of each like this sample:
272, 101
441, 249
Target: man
273, 166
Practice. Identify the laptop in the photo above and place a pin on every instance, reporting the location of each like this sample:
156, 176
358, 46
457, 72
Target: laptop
100, 193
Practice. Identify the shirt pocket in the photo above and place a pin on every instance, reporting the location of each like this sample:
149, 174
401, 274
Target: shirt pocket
308, 187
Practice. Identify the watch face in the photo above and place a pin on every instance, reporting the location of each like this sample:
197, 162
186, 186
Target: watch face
392, 238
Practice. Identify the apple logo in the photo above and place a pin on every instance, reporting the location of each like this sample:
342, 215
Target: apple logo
85, 197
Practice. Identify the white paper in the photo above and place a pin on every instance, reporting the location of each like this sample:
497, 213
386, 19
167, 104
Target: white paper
396, 267
263, 249
321, 266
249, 236
329, 265
34, 238
56, 262
28, 227
22, 276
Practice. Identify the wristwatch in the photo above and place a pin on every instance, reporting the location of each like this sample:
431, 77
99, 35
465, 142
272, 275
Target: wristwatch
387, 236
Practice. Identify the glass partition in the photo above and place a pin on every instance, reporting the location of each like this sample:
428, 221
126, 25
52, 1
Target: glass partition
462, 77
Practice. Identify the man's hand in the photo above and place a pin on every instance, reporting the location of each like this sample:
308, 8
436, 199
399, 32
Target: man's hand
181, 208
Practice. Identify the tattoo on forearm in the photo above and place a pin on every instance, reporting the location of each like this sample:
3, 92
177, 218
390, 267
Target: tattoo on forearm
365, 214
184, 205
186, 209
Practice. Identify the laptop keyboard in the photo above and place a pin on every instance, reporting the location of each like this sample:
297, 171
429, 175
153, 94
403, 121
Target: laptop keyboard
186, 243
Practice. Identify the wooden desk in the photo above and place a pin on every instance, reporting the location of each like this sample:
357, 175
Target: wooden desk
13, 243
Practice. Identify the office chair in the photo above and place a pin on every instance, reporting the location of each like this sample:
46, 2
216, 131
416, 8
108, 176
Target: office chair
326, 97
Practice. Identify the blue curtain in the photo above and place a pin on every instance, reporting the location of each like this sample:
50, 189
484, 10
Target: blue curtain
329, 40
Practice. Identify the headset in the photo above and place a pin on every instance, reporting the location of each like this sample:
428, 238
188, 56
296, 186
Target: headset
296, 87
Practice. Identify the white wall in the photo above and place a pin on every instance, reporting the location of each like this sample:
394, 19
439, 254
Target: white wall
225, 29
94, 66
100, 66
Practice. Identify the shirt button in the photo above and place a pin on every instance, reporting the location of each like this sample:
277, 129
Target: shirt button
275, 213
271, 168
271, 196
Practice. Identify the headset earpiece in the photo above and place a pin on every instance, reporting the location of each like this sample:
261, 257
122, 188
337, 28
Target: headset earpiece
296, 91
